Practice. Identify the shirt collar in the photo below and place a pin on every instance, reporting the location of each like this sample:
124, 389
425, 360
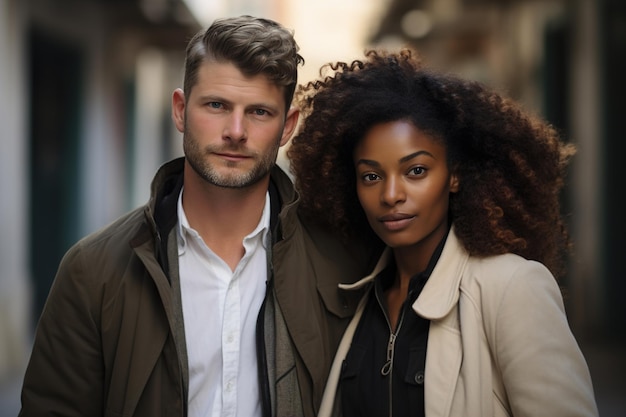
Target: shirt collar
263, 228
183, 227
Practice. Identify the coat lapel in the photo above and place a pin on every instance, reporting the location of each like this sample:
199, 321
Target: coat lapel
443, 365
438, 302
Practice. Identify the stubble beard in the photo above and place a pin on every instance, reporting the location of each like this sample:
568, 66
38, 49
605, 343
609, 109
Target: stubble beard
197, 159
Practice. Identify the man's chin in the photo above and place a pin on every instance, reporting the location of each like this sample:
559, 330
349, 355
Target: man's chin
237, 182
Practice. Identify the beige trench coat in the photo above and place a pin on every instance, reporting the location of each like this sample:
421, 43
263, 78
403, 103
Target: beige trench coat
499, 342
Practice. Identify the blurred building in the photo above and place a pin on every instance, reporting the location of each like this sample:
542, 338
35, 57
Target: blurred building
84, 115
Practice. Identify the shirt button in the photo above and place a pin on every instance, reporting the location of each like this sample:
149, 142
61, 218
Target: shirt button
419, 378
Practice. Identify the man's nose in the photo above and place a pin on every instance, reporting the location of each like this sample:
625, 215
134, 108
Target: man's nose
235, 128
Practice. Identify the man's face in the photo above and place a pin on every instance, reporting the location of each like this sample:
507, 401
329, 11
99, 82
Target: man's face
232, 125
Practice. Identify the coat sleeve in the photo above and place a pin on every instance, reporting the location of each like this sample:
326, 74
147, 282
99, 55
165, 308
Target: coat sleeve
65, 372
542, 367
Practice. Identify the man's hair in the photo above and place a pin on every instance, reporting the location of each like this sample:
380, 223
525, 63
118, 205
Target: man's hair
254, 45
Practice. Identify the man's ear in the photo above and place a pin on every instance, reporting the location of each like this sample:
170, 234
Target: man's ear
290, 124
178, 109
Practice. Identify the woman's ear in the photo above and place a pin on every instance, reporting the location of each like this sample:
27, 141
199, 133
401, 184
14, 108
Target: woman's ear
454, 183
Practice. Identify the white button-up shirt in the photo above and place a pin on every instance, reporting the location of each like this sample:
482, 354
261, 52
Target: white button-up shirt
220, 309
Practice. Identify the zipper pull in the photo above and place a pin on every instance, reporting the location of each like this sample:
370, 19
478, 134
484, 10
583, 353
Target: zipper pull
386, 370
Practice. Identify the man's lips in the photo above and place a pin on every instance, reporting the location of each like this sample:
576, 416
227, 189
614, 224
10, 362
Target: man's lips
231, 156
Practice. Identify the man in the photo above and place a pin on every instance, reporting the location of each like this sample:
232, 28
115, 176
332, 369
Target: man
213, 299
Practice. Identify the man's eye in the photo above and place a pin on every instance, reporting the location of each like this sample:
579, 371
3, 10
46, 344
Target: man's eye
260, 112
214, 104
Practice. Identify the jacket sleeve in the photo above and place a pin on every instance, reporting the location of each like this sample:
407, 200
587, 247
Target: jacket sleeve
65, 372
543, 370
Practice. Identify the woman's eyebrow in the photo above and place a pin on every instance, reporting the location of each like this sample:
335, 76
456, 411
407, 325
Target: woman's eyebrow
414, 154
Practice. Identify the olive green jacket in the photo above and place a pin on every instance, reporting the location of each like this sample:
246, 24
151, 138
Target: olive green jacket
110, 341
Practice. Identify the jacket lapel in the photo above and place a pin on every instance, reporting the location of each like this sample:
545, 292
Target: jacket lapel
151, 328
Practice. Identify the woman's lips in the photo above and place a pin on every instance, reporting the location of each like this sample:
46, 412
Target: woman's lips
396, 221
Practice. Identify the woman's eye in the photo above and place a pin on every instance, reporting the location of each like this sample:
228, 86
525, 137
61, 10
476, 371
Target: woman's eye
417, 171
370, 177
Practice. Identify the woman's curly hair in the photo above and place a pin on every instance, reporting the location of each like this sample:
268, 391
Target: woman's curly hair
510, 163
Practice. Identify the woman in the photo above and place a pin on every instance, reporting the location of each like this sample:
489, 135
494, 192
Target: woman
463, 315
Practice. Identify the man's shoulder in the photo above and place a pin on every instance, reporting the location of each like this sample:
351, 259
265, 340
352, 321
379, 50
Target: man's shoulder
117, 234
99, 260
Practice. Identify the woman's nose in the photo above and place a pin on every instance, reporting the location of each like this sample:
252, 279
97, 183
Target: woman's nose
393, 191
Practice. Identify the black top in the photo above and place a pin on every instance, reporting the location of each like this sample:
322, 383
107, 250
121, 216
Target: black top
382, 365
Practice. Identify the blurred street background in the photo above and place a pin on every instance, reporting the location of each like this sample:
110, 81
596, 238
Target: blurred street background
85, 89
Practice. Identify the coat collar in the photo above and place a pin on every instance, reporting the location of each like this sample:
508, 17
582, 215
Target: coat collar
436, 301
441, 292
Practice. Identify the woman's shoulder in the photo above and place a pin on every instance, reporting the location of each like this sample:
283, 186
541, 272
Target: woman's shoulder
493, 268
504, 265
508, 272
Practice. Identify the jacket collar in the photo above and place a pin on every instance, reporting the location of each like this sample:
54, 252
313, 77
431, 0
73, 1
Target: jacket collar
165, 190
441, 292
168, 181
282, 196
160, 211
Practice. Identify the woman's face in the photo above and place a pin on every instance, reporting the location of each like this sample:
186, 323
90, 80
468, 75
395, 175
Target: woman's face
403, 184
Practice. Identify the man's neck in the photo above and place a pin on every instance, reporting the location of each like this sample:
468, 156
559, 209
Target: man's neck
224, 216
